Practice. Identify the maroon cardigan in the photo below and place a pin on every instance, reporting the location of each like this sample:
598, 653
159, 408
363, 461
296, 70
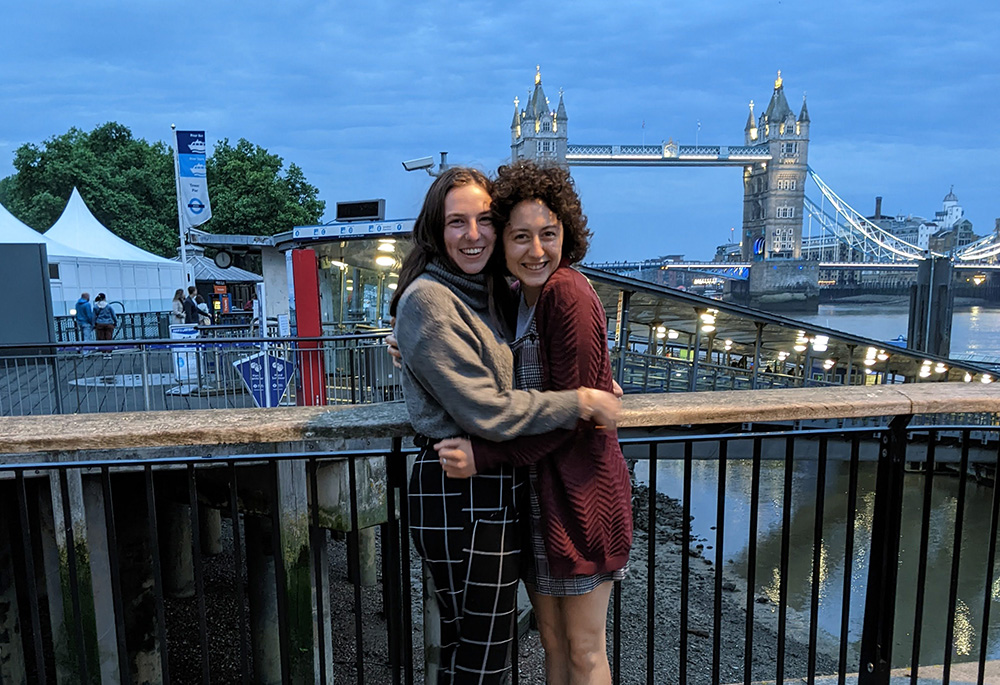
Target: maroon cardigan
583, 482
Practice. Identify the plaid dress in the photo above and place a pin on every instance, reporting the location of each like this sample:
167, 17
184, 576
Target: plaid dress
468, 534
529, 375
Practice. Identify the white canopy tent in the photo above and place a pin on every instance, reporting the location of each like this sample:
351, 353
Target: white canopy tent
140, 280
65, 262
13, 230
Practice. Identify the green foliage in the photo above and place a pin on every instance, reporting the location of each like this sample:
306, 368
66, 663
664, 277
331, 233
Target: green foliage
129, 185
251, 195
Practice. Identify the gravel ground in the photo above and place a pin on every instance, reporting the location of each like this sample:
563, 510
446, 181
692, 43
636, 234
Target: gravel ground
223, 623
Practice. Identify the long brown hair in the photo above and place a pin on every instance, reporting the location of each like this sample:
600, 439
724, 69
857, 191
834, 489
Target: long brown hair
428, 230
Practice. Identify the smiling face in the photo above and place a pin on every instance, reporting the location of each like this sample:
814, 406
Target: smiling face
469, 236
533, 244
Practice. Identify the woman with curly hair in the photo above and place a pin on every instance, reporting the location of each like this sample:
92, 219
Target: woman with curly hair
580, 493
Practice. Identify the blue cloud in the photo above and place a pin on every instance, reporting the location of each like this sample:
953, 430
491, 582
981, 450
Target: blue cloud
902, 104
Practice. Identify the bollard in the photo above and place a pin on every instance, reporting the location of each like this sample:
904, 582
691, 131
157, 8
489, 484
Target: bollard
177, 553
368, 558
265, 642
210, 530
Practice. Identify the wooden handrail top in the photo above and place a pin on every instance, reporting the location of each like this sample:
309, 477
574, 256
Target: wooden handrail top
136, 430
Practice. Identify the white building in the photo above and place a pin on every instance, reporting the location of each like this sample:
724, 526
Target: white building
84, 256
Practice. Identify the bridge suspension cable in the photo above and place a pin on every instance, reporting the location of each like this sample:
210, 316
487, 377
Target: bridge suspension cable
870, 240
986, 248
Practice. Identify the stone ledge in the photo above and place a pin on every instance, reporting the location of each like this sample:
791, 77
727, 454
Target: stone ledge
241, 427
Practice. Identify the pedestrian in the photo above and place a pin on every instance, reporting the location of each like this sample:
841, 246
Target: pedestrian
105, 318
204, 315
580, 500
177, 307
85, 317
190, 306
457, 379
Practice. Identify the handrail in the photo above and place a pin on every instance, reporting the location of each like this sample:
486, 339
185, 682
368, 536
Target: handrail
374, 335
132, 430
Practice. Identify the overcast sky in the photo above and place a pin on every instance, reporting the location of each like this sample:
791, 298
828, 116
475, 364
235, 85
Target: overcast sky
903, 96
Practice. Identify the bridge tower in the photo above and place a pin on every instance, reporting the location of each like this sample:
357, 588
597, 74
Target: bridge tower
538, 132
773, 192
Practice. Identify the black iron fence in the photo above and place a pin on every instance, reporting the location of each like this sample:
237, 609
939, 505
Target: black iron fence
218, 371
131, 326
760, 554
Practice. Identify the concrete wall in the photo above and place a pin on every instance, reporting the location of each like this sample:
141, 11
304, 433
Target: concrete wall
791, 285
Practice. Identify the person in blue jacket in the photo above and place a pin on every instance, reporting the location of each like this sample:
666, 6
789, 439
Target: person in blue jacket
85, 317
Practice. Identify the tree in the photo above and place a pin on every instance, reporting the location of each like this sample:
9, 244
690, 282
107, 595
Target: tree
129, 186
251, 195
127, 183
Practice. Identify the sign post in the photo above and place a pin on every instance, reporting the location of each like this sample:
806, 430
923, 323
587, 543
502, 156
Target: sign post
266, 376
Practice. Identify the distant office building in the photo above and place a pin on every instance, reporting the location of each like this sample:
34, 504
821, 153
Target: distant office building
948, 231
955, 238
728, 252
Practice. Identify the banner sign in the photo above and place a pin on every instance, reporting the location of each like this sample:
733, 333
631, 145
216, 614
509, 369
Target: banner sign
191, 181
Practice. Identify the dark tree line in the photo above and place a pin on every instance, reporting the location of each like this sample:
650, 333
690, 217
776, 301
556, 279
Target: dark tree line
128, 184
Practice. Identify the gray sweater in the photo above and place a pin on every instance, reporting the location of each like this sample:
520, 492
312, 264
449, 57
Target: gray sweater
458, 371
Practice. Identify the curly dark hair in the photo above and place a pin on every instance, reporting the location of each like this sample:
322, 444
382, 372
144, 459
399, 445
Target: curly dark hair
527, 180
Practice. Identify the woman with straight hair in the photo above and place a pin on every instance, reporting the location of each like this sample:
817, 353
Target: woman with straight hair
177, 307
457, 381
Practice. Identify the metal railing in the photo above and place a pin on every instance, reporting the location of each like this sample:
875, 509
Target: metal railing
646, 373
131, 326
830, 552
223, 369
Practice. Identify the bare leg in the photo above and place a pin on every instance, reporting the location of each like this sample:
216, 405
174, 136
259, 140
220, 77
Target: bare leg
548, 614
585, 618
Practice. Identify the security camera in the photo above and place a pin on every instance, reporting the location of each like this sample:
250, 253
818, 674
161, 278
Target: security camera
415, 164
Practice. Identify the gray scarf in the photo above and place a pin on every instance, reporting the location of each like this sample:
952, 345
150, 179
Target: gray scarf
470, 288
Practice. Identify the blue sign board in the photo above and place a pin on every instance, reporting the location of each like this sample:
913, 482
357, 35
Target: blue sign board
266, 377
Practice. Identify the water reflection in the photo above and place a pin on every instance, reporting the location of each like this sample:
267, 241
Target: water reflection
972, 584
974, 329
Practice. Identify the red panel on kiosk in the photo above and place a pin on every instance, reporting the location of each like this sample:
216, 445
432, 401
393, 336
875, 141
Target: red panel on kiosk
311, 379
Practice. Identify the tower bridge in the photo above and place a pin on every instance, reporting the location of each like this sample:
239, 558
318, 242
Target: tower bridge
774, 159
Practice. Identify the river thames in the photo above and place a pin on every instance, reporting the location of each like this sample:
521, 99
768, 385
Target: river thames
976, 333
975, 330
